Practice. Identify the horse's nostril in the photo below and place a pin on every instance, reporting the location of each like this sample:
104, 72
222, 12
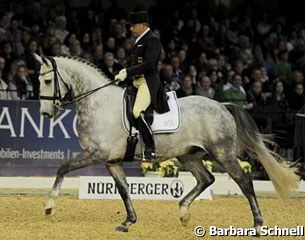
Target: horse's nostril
45, 114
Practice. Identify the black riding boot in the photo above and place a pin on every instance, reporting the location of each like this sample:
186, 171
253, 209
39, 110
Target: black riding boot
148, 138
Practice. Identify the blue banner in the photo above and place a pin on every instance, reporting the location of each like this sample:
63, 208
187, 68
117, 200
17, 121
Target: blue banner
26, 136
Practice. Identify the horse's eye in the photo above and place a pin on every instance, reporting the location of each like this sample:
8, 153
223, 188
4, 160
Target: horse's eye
48, 81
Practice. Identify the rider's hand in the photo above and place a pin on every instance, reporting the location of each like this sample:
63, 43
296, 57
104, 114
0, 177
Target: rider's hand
122, 75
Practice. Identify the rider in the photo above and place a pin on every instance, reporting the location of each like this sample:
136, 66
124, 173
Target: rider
143, 72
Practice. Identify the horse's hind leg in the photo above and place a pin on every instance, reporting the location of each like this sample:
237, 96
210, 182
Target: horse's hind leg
82, 160
117, 172
244, 181
193, 163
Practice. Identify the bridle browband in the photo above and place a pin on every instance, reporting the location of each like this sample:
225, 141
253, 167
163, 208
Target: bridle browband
58, 100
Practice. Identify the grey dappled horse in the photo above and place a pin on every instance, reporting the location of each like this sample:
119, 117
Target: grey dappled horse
224, 131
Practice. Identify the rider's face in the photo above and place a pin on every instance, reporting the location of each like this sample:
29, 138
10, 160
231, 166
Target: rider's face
137, 29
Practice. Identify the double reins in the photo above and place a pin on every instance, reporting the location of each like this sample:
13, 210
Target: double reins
85, 94
58, 100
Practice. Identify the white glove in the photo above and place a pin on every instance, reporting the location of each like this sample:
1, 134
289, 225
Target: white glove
122, 75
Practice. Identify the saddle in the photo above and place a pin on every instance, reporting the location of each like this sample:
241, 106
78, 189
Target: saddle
167, 122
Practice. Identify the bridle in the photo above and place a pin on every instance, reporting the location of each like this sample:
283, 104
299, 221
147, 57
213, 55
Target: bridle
57, 96
58, 101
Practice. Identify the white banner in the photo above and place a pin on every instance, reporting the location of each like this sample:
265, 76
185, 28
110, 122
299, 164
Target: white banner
151, 188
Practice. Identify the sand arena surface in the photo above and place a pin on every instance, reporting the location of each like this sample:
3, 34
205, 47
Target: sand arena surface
22, 217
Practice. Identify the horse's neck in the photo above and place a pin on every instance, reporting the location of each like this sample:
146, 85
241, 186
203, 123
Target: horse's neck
84, 79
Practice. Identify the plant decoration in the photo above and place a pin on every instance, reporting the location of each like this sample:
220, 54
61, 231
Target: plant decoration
167, 168
171, 167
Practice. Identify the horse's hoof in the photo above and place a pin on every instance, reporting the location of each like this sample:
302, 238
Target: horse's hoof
185, 219
258, 231
121, 228
48, 211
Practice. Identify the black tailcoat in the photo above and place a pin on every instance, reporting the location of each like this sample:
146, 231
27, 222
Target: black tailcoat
144, 61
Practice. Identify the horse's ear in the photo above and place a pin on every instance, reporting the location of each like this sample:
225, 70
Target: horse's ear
41, 59
38, 59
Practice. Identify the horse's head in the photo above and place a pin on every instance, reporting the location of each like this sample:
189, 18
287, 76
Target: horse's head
53, 88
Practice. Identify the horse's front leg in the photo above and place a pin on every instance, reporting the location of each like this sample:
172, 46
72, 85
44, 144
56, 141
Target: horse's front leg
82, 160
117, 172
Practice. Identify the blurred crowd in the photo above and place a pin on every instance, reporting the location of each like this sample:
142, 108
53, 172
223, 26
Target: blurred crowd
251, 57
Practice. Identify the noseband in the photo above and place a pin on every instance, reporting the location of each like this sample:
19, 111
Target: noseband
57, 96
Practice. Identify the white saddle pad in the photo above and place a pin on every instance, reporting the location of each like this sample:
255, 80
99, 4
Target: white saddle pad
168, 122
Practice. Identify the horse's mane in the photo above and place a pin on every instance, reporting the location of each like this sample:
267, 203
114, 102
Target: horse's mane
79, 59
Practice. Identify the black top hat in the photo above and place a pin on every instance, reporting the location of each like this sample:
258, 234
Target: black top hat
138, 17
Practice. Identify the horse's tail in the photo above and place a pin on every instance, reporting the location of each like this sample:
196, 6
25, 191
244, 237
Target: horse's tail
250, 140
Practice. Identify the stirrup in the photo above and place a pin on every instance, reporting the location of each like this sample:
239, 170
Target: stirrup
149, 155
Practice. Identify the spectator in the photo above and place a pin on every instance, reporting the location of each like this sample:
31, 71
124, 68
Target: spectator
14, 35
175, 62
244, 51
30, 62
119, 32
170, 49
110, 45
109, 66
75, 48
97, 38
229, 81
60, 28
239, 68
192, 71
256, 97
121, 56
265, 79
297, 77
167, 76
86, 42
9, 55
204, 87
263, 26
87, 56
206, 42
47, 44
3, 90
235, 95
5, 21
69, 40
128, 45
223, 66
216, 84
183, 60
3, 75
278, 98
21, 83
282, 68
297, 99
255, 94
202, 63
264, 53
56, 49
98, 53
187, 87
